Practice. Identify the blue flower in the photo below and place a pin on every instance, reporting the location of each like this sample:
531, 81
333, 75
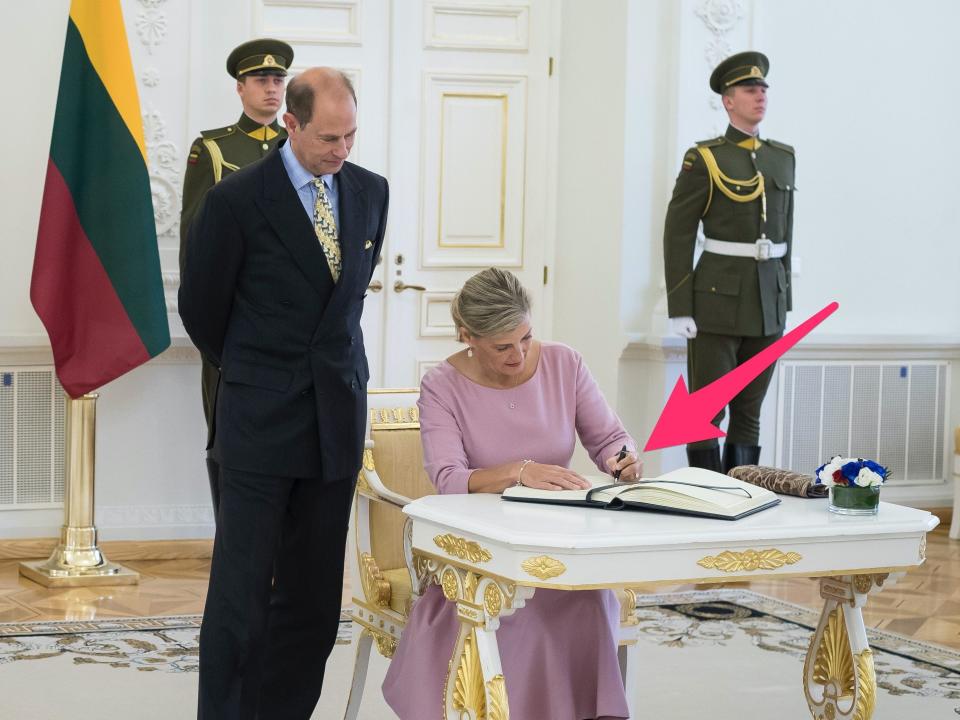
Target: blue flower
850, 470
877, 468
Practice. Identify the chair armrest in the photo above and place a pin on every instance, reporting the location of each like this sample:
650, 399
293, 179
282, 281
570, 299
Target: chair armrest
379, 490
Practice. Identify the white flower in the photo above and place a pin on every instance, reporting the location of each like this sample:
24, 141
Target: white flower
867, 478
826, 474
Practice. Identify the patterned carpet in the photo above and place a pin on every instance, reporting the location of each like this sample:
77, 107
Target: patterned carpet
740, 651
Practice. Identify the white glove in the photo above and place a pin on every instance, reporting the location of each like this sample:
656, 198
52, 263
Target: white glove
685, 327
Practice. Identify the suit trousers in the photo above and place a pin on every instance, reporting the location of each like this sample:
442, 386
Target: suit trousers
710, 357
273, 605
213, 475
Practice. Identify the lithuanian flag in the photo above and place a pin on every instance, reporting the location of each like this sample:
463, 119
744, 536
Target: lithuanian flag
96, 272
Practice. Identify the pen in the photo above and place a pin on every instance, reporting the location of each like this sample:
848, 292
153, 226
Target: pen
620, 456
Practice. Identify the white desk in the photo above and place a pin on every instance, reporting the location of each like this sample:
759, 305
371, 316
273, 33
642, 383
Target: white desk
489, 556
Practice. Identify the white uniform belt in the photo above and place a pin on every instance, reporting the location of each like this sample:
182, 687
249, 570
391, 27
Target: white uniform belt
762, 249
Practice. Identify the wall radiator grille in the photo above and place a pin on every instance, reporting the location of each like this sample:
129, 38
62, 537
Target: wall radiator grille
894, 413
32, 416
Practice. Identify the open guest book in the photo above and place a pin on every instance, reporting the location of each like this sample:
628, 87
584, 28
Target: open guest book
689, 491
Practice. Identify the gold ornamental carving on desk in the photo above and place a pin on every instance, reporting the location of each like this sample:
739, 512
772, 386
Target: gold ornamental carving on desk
492, 599
749, 560
468, 685
842, 674
462, 548
497, 690
468, 689
543, 567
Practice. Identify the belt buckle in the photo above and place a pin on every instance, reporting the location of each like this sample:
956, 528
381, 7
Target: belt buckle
764, 247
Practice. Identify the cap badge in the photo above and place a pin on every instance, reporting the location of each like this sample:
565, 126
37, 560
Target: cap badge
268, 60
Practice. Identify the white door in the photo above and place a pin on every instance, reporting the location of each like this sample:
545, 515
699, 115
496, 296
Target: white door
453, 109
468, 145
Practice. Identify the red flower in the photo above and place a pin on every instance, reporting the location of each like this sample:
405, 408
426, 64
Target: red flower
838, 478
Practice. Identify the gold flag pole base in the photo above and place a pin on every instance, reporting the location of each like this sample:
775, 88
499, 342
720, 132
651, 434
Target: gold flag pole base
77, 561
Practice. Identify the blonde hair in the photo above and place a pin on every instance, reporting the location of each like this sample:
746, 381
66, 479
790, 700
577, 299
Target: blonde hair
490, 303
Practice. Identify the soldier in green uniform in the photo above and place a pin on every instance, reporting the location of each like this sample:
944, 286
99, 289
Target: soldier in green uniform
733, 304
260, 68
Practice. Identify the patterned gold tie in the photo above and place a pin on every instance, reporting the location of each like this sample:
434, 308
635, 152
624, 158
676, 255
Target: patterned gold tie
326, 227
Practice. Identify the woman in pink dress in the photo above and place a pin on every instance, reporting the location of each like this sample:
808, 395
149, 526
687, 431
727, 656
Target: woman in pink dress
506, 411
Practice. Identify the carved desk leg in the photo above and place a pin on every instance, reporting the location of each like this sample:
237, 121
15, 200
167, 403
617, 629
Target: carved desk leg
838, 676
474, 687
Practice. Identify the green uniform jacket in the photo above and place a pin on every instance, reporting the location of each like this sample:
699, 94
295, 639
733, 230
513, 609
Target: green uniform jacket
731, 295
213, 156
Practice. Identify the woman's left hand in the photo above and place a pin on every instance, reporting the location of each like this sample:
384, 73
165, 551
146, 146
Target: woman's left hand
631, 467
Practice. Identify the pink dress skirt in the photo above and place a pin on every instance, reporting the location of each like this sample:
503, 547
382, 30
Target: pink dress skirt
558, 654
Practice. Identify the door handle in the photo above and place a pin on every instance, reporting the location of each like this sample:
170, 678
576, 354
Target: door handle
375, 286
400, 286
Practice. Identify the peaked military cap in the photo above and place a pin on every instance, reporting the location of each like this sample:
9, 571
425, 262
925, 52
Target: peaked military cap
263, 56
746, 68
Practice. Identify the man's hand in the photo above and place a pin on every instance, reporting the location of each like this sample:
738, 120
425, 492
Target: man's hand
685, 327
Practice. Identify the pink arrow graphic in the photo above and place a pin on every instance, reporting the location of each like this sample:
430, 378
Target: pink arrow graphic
686, 417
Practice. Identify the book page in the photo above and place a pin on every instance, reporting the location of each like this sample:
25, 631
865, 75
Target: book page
683, 488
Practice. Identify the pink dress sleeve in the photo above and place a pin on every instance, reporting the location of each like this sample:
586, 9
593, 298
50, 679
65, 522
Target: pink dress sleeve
598, 426
444, 457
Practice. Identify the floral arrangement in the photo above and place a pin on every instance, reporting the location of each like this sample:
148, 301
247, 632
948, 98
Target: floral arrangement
851, 472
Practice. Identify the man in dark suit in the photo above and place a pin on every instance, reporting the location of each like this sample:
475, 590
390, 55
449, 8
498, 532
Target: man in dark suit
733, 304
278, 261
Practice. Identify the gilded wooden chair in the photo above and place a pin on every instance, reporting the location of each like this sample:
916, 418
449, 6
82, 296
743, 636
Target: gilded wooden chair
382, 579
392, 475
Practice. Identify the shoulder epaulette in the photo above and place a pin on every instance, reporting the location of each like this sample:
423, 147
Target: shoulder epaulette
780, 145
218, 132
712, 142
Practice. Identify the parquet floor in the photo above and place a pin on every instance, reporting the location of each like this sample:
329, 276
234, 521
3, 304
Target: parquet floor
925, 604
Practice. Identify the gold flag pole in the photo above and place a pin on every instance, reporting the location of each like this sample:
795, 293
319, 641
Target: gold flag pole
77, 561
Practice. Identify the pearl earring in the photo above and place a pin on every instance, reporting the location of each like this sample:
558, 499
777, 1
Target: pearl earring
469, 352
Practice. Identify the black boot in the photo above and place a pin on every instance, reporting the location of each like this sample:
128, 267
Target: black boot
735, 455
706, 458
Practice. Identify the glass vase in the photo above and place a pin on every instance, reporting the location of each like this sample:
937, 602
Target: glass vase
854, 500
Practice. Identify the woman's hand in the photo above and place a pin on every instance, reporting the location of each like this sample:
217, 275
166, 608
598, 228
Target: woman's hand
552, 477
631, 467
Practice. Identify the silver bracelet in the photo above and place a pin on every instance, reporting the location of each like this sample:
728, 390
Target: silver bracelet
523, 464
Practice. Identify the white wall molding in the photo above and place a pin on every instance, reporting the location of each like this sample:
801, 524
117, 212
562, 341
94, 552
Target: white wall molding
116, 522
643, 346
112, 517
26, 350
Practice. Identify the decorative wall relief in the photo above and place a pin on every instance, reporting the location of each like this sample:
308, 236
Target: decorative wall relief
151, 24
164, 168
150, 77
148, 21
720, 17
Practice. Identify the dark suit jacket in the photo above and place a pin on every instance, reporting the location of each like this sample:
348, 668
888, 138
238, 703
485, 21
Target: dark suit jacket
257, 298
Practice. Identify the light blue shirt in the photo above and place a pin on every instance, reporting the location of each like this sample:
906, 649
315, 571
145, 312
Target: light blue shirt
302, 180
